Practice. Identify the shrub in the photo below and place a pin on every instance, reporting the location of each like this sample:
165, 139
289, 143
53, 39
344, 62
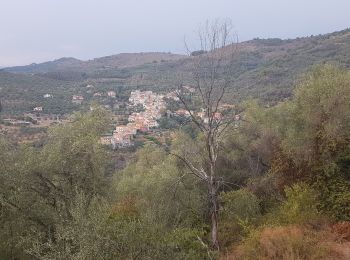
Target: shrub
240, 204
239, 213
334, 192
300, 207
185, 243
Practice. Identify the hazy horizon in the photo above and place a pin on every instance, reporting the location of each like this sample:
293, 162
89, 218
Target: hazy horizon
35, 31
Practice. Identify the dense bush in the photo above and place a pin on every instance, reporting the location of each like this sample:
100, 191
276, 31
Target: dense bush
240, 212
300, 206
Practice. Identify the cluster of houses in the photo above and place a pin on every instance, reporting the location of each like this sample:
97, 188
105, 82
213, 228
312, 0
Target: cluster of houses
111, 94
217, 116
172, 95
77, 99
38, 109
153, 105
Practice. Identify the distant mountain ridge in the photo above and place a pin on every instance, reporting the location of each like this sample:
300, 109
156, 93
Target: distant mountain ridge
122, 60
325, 46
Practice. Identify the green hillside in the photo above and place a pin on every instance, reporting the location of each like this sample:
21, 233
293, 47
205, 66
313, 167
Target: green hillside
263, 68
21, 93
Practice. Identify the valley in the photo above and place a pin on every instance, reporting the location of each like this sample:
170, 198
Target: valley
234, 151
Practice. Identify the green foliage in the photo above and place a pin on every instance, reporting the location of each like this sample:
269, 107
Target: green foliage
186, 243
317, 116
168, 207
300, 206
130, 239
32, 130
159, 190
334, 192
299, 150
83, 236
21, 93
48, 195
168, 123
240, 205
317, 136
307, 139
239, 214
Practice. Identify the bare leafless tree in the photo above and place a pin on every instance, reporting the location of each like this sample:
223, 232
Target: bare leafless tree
211, 74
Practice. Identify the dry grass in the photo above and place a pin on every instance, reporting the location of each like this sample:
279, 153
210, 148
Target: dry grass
342, 229
295, 243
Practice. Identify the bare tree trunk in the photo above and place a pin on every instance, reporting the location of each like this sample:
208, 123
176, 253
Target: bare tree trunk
212, 76
214, 208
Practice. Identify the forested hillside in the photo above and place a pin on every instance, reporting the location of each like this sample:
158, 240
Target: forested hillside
286, 193
266, 69
21, 93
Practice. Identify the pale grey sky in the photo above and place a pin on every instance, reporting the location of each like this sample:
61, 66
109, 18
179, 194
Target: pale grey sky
41, 30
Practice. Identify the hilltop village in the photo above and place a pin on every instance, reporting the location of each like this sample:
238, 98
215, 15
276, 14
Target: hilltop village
153, 105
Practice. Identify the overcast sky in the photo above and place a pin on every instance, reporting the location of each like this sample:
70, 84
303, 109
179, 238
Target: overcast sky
41, 30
